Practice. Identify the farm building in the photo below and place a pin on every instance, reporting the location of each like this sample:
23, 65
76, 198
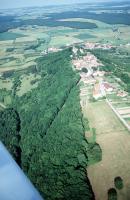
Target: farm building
75, 50
97, 91
99, 73
53, 49
108, 87
91, 45
122, 94
87, 61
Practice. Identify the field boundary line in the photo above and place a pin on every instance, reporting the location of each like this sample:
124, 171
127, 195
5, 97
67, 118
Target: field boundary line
118, 115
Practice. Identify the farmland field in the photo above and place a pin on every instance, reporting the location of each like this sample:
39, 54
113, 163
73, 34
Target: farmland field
6, 84
113, 139
104, 32
102, 118
10, 68
10, 36
63, 41
115, 162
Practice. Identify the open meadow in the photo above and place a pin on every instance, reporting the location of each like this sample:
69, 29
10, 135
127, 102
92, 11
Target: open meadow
113, 139
115, 162
102, 118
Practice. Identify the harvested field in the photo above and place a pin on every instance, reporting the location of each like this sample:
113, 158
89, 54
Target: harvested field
63, 40
7, 84
113, 139
115, 162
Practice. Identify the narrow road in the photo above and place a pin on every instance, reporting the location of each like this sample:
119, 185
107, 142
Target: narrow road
2, 105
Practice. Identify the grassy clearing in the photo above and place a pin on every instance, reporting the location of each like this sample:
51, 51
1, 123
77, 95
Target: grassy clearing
26, 85
102, 118
113, 140
7, 84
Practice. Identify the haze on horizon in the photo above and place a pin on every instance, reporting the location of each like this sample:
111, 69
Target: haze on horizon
30, 3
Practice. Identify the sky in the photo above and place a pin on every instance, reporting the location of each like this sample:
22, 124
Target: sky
30, 3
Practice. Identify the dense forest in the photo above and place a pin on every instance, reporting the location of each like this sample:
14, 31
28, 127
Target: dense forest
9, 132
53, 151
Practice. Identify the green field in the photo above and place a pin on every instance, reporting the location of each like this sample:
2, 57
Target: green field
113, 139
84, 36
102, 118
6, 84
63, 41
26, 83
10, 36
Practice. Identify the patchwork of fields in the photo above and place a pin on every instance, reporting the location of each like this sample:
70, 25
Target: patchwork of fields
21, 43
38, 34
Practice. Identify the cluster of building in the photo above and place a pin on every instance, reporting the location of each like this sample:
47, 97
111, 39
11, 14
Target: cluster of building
93, 75
101, 88
97, 91
91, 45
87, 61
99, 73
51, 50
122, 94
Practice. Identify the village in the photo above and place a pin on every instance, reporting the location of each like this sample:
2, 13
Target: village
98, 85
106, 106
